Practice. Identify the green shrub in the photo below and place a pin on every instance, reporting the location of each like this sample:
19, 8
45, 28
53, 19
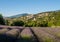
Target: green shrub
2, 21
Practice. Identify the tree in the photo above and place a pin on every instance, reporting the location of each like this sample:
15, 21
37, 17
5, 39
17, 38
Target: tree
44, 24
7, 22
30, 24
17, 23
2, 21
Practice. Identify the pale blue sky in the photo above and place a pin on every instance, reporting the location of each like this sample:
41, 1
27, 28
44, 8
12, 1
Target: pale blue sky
13, 7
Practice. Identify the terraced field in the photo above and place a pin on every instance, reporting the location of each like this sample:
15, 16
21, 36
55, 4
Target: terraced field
29, 34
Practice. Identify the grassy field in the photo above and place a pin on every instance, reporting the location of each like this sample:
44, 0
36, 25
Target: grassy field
29, 34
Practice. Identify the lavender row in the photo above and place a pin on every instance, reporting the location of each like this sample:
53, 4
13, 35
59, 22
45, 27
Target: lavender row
43, 36
13, 32
26, 36
2, 31
11, 27
53, 31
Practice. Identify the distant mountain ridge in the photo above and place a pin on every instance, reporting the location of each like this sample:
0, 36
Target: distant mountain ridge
19, 15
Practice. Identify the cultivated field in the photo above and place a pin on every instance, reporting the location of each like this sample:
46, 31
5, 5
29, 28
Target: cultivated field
29, 34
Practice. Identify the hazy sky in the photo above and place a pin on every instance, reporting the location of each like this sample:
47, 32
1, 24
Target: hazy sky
13, 7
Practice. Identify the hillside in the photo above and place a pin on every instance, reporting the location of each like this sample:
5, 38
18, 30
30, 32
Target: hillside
19, 15
50, 18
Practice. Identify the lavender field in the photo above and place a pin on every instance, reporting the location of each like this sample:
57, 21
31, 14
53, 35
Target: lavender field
29, 34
